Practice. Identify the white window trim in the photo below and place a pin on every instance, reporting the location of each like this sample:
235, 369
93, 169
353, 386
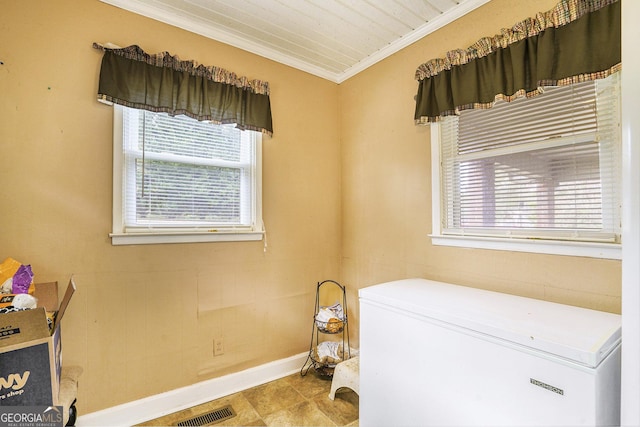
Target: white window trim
143, 237
552, 247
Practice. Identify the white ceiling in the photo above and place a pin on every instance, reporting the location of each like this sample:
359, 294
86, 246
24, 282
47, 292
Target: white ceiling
333, 39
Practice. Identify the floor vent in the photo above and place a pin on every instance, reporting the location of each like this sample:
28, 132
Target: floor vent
211, 417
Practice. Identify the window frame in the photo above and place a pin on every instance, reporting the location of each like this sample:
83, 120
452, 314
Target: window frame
531, 245
122, 236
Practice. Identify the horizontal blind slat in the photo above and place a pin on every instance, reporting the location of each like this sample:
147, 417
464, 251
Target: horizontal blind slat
507, 168
193, 173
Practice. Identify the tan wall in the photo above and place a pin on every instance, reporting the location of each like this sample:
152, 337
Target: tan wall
386, 186
144, 317
346, 189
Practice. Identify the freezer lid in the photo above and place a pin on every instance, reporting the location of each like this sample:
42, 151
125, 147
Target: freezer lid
578, 334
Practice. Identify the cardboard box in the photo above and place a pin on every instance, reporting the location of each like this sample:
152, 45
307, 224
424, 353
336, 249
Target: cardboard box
30, 352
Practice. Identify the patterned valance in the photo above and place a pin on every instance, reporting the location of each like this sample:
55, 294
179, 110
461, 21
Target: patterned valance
577, 40
164, 83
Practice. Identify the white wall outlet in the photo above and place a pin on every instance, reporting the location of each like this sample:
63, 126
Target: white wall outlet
218, 346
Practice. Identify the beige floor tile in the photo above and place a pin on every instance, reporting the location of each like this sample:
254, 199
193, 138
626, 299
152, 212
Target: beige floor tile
309, 385
343, 410
272, 397
303, 414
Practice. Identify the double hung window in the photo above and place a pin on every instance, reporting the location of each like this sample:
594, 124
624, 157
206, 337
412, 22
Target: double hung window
538, 174
177, 179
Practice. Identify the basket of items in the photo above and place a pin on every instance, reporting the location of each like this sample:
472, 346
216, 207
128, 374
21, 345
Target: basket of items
330, 320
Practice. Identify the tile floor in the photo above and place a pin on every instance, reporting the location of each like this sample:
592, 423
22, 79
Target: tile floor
291, 401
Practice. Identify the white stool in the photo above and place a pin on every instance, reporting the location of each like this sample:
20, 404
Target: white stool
346, 374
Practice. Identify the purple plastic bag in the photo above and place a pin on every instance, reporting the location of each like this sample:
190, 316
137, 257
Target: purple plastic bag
22, 280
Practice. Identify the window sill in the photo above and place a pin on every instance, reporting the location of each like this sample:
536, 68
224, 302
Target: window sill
183, 237
552, 247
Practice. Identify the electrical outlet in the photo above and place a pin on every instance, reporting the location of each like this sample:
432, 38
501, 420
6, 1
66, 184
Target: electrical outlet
218, 346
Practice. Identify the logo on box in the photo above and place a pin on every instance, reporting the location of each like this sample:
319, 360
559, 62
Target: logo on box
8, 332
14, 382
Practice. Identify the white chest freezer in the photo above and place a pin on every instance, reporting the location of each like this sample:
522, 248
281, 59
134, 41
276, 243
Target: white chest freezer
436, 354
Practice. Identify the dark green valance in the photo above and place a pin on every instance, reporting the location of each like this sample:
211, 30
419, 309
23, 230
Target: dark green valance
164, 83
578, 40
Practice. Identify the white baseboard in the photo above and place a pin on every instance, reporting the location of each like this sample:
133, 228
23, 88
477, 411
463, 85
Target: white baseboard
172, 401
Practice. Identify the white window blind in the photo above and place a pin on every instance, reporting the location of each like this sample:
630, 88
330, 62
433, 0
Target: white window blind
180, 174
545, 167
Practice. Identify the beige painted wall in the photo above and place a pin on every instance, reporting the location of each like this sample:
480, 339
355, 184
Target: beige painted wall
346, 196
386, 185
144, 317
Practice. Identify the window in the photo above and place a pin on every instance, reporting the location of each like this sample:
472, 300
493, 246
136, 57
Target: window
177, 179
537, 174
